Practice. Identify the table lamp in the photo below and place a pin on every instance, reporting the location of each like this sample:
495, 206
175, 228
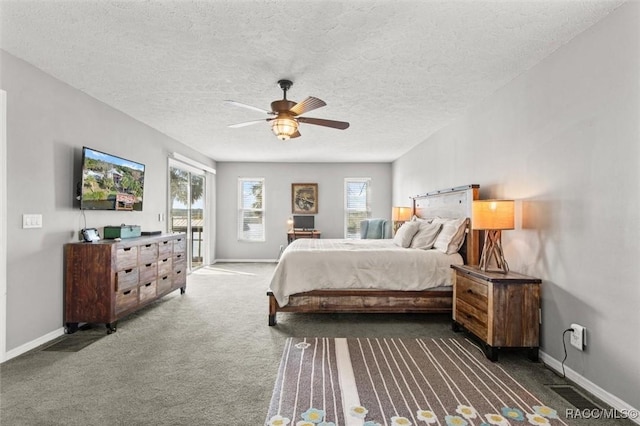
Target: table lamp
400, 215
492, 216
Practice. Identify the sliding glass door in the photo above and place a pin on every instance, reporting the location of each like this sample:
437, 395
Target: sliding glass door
188, 212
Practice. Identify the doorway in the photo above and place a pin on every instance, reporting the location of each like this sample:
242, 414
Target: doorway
188, 213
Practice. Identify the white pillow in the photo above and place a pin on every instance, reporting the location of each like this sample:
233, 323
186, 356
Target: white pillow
426, 235
405, 234
415, 218
451, 236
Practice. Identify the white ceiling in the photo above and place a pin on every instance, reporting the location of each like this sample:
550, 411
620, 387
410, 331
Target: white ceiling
396, 70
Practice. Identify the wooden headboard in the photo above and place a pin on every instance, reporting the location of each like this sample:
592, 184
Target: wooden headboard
452, 203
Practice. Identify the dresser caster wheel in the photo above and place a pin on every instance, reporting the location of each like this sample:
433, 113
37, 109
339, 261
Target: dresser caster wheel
112, 327
455, 326
183, 290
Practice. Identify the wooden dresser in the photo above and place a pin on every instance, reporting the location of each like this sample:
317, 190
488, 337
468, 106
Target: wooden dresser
106, 280
502, 310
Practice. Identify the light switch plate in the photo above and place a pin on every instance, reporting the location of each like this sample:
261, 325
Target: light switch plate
31, 221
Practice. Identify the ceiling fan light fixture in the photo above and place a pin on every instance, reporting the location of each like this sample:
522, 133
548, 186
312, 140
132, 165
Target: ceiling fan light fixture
284, 127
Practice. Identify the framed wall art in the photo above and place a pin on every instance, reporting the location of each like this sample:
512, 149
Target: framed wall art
304, 198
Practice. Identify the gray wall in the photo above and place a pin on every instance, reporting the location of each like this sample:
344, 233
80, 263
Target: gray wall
278, 180
48, 122
563, 140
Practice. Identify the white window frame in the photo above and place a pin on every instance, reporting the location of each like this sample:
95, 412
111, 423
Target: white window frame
347, 181
241, 210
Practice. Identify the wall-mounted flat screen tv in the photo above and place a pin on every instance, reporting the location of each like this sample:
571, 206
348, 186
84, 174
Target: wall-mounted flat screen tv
110, 182
306, 223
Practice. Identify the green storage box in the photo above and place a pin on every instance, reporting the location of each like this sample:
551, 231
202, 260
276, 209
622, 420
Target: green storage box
123, 231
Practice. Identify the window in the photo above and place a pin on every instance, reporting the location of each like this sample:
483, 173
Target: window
356, 205
251, 209
187, 193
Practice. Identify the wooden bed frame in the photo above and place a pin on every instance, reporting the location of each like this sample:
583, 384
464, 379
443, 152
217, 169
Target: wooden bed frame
451, 202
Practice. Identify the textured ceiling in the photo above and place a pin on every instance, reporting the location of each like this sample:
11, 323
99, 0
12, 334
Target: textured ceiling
396, 70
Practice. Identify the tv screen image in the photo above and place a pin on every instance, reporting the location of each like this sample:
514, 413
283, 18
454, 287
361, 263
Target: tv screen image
110, 182
306, 223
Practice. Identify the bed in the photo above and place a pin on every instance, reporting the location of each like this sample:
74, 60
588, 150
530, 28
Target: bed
378, 276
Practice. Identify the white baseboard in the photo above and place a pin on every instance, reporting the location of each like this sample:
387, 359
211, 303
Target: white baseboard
589, 386
245, 261
34, 343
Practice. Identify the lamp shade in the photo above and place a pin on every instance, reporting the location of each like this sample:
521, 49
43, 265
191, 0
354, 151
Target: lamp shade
400, 214
284, 127
492, 214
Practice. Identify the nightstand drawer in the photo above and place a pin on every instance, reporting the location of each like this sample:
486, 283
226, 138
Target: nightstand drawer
472, 292
475, 320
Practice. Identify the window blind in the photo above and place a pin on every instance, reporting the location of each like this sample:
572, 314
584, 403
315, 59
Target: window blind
251, 209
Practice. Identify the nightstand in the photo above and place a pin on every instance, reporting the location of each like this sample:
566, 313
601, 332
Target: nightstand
502, 310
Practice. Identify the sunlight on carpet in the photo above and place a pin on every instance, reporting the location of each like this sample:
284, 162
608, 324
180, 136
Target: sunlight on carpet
398, 382
210, 270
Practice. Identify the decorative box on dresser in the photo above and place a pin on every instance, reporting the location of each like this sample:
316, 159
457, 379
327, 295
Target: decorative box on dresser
502, 310
107, 280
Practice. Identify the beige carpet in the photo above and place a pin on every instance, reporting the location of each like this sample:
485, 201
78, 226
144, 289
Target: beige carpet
393, 381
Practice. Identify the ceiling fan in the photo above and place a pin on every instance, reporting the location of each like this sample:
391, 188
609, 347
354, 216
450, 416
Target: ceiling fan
288, 114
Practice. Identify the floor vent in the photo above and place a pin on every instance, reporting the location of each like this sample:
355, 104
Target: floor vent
574, 397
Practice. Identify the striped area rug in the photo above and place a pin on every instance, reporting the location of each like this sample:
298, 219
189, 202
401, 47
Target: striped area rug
393, 382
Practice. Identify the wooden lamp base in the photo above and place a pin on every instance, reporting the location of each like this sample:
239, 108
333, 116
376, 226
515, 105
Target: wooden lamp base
493, 249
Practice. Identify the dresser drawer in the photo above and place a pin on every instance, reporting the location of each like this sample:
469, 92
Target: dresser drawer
126, 279
165, 249
126, 257
147, 291
148, 253
179, 259
179, 277
180, 245
474, 319
164, 266
473, 292
164, 284
148, 272
126, 299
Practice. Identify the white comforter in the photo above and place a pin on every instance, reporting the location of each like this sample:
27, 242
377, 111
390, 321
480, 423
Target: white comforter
314, 264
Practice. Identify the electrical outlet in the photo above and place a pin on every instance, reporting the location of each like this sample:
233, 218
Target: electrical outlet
578, 337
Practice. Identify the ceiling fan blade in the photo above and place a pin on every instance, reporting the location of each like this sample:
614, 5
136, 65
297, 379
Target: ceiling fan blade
240, 104
307, 105
249, 123
326, 123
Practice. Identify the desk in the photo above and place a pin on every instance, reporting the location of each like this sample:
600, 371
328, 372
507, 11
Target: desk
294, 235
